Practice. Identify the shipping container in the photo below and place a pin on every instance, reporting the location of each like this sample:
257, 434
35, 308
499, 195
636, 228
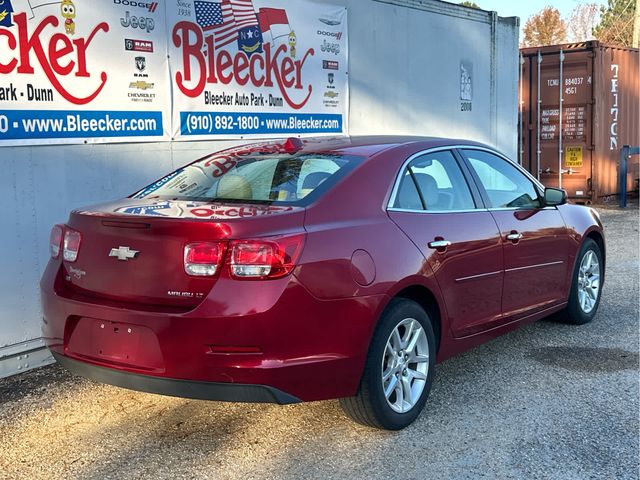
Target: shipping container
420, 67
579, 106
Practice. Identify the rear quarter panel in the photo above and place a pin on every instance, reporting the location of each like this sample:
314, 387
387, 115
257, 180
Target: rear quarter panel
352, 217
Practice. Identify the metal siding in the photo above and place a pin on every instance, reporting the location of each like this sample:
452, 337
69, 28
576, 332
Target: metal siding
404, 78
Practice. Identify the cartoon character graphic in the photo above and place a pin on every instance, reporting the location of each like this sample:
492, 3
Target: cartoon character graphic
68, 11
6, 11
293, 41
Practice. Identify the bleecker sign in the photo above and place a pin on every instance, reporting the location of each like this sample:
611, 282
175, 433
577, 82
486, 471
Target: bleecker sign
573, 157
71, 72
257, 67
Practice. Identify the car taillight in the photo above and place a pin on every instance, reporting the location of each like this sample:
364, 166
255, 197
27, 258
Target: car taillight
55, 241
265, 258
72, 240
203, 259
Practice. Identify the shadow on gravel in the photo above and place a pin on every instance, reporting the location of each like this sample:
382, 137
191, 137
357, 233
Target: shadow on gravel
587, 359
34, 382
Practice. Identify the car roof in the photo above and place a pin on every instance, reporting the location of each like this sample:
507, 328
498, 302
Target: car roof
369, 146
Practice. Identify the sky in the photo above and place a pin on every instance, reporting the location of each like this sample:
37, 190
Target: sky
525, 8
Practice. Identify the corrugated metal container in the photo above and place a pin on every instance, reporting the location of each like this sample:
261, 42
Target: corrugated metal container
421, 67
579, 106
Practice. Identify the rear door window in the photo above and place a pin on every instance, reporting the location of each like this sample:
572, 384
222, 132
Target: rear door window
434, 182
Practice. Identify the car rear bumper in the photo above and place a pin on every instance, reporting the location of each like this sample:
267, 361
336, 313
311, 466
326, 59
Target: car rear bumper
306, 349
223, 392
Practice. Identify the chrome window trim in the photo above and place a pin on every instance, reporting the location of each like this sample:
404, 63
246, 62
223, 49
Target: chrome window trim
507, 209
396, 186
408, 210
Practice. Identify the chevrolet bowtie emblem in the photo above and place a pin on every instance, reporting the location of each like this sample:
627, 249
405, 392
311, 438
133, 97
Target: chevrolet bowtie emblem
123, 254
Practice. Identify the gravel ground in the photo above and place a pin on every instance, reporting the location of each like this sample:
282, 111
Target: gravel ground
548, 401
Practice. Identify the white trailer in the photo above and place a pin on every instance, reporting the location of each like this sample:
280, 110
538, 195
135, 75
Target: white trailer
420, 67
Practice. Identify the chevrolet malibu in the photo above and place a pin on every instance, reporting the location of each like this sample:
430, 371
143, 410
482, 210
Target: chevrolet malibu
300, 271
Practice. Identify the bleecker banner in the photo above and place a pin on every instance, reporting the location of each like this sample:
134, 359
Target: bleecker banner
257, 68
83, 70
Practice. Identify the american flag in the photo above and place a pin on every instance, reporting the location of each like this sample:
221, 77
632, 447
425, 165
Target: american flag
224, 18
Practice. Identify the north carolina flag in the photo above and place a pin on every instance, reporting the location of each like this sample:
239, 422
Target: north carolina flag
249, 34
5, 13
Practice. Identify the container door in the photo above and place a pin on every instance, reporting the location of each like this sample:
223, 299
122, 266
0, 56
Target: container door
562, 125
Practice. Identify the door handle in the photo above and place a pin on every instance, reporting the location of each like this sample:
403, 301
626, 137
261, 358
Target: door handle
514, 236
439, 244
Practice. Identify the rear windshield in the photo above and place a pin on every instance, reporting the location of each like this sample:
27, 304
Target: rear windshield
284, 179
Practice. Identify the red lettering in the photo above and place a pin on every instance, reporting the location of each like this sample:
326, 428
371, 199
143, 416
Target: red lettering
210, 54
223, 168
32, 44
82, 45
27, 44
11, 41
283, 90
181, 35
223, 62
299, 65
202, 212
55, 53
240, 64
288, 67
211, 161
257, 81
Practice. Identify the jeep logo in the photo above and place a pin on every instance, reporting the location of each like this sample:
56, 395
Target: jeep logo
142, 23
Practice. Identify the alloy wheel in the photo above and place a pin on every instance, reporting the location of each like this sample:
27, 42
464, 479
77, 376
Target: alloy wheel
588, 281
405, 365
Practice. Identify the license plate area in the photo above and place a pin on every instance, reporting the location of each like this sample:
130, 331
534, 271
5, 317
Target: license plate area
115, 344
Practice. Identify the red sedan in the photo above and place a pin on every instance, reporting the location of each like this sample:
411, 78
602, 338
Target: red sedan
300, 271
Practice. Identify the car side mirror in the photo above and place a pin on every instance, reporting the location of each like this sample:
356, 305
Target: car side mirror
554, 196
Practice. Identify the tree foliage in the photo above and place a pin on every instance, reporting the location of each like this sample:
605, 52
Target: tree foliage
545, 28
470, 4
616, 23
583, 21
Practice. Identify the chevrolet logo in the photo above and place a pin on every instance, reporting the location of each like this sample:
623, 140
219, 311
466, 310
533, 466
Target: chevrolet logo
124, 254
141, 85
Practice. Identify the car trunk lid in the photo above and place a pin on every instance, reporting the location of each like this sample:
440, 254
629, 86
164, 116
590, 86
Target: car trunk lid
133, 251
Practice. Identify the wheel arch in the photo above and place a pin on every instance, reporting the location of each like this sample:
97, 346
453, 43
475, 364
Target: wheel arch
598, 237
424, 297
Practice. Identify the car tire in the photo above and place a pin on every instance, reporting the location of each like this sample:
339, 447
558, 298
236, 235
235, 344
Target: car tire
582, 284
403, 346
